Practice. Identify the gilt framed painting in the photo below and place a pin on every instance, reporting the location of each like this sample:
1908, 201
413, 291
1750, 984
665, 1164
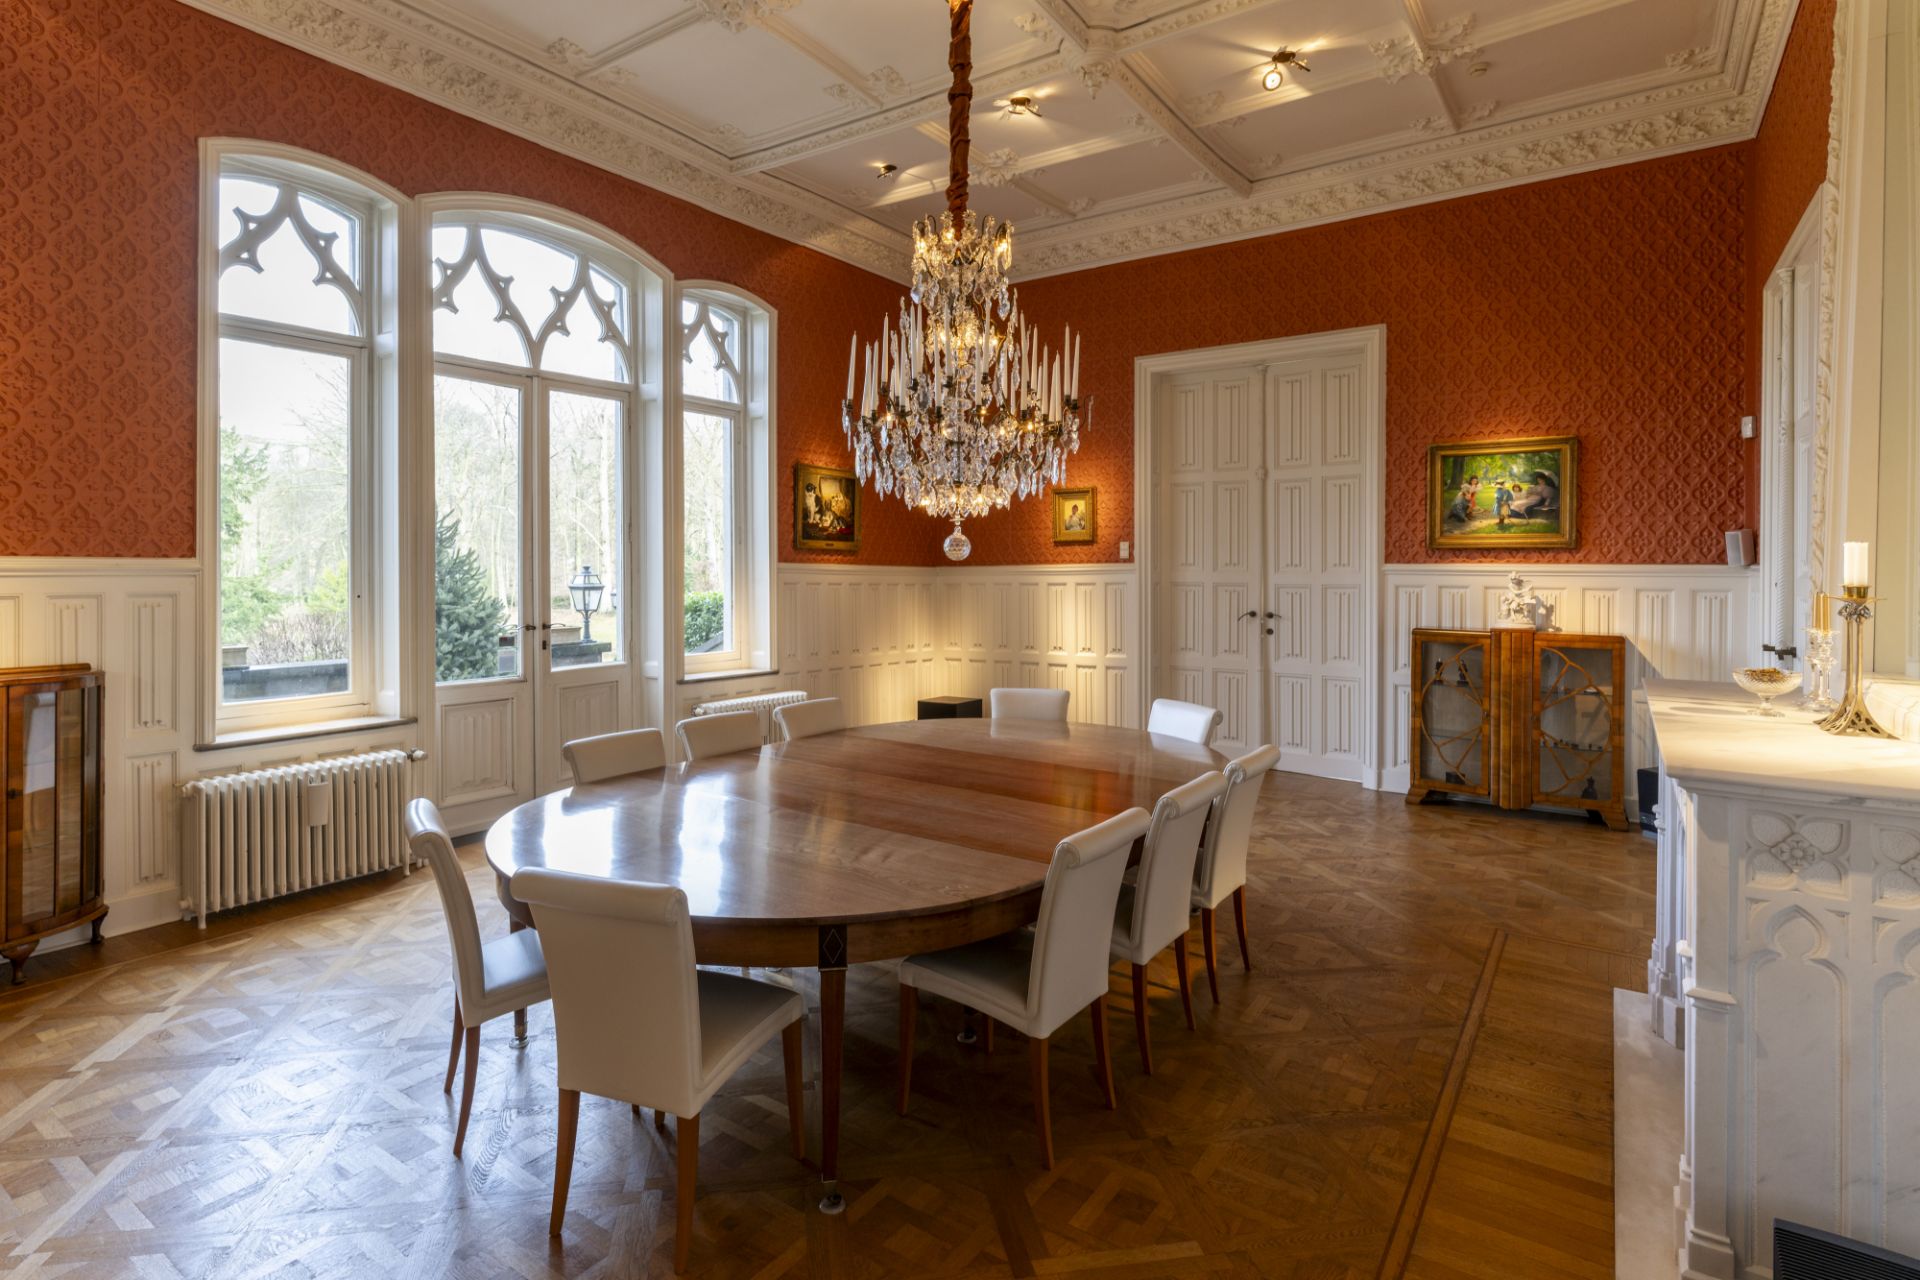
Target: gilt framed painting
826, 509
1499, 495
1072, 516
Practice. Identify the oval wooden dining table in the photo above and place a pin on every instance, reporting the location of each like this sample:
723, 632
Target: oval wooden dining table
864, 844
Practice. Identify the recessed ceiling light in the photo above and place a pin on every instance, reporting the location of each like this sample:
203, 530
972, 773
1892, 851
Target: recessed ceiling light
1023, 105
886, 171
1284, 58
1271, 80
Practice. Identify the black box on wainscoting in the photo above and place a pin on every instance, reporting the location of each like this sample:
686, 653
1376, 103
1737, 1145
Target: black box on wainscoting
1647, 783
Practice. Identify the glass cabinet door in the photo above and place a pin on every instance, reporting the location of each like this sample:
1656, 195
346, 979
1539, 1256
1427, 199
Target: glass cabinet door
51, 745
1574, 743
1451, 700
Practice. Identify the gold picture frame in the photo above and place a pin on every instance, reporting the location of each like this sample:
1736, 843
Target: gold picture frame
1074, 515
1499, 495
826, 509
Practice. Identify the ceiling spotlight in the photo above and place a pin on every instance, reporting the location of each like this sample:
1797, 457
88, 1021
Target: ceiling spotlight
886, 171
1023, 105
1270, 79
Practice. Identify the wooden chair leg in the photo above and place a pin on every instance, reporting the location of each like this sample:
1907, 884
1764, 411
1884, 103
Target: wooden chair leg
1240, 925
1042, 1115
453, 1054
688, 1132
563, 1157
1102, 1058
1206, 945
1140, 1017
466, 1088
636, 1109
659, 1120
909, 1007
791, 1043
1186, 977
986, 1033
519, 1028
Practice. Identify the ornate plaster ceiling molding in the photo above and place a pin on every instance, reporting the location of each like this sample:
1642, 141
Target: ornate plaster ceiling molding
395, 45
737, 15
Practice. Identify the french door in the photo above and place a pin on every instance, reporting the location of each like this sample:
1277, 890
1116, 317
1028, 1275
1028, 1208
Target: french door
530, 571
1259, 599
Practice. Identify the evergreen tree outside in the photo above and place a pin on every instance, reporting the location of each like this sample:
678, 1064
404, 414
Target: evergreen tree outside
467, 615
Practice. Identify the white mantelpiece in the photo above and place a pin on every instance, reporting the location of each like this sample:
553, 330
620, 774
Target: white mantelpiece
1788, 932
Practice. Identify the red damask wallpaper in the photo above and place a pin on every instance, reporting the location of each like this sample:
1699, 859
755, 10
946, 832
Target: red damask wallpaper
102, 105
1608, 305
1787, 161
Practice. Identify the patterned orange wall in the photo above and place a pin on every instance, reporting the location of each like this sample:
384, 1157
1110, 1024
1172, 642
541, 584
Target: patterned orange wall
102, 105
1787, 161
1608, 305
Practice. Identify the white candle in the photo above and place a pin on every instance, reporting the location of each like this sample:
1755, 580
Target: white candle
1073, 384
853, 348
1854, 572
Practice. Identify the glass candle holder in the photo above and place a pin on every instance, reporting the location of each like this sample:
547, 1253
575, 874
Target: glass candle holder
1820, 663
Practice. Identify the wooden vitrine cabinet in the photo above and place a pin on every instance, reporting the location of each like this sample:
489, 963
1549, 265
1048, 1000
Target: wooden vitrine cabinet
1520, 718
50, 743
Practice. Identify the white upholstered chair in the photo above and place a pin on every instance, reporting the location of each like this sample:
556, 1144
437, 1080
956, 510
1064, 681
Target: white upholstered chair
613, 755
1153, 912
1187, 720
804, 719
1222, 870
704, 736
1028, 704
1035, 980
503, 975
636, 1021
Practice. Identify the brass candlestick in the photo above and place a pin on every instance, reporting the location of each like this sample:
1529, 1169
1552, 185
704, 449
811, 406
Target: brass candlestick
1853, 716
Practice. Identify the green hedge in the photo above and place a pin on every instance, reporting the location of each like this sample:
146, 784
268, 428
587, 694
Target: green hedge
706, 619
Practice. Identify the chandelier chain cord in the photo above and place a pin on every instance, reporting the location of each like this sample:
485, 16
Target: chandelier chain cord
959, 101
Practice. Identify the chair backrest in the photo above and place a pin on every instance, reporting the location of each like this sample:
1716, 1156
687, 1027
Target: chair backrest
428, 839
1074, 935
804, 719
611, 755
1163, 891
1028, 704
626, 1003
1223, 859
721, 735
1187, 720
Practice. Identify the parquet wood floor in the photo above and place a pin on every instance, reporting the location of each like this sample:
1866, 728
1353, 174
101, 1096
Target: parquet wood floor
1388, 1093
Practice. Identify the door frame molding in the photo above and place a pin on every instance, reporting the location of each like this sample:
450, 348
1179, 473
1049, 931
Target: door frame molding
1370, 344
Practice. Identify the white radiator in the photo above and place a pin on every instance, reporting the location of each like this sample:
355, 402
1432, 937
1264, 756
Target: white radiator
763, 703
266, 832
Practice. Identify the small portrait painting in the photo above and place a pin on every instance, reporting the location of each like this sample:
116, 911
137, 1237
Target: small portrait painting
826, 509
1072, 515
1505, 494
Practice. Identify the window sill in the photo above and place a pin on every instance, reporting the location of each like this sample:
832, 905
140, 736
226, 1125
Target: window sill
294, 733
742, 673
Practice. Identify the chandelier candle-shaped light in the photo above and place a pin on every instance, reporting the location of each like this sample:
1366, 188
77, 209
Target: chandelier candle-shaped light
959, 407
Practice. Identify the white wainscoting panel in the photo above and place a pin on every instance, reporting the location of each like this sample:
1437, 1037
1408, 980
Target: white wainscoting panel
1045, 626
1688, 622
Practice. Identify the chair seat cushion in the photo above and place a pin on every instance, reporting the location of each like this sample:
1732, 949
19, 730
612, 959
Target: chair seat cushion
737, 1016
513, 975
990, 975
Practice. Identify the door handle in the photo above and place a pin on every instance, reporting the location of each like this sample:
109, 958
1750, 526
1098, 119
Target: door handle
529, 626
1251, 613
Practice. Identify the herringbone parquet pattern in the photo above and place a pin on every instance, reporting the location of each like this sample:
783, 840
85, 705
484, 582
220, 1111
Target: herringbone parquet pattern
267, 1103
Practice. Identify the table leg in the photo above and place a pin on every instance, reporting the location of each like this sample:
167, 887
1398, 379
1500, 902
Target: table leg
519, 1040
833, 1017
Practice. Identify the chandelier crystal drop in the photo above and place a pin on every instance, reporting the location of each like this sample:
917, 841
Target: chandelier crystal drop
959, 407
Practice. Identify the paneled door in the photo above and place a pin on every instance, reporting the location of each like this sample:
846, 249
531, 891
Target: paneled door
1260, 555
530, 579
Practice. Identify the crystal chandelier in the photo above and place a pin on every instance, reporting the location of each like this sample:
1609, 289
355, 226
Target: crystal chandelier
960, 407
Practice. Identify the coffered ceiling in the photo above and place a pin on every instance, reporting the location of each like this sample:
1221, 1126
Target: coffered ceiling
1154, 132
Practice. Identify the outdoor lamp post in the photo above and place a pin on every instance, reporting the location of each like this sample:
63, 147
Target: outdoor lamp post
586, 590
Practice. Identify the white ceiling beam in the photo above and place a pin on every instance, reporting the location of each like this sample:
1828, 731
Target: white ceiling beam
908, 187
1417, 29
1178, 131
845, 71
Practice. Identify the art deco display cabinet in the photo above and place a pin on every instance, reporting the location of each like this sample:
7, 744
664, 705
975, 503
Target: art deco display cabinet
50, 745
1520, 718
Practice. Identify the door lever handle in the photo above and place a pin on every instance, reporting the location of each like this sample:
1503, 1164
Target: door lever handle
1272, 614
1251, 613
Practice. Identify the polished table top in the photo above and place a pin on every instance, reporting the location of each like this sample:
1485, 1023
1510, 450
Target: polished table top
874, 823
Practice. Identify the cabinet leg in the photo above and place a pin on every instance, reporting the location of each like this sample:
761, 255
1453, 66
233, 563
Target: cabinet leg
99, 923
17, 956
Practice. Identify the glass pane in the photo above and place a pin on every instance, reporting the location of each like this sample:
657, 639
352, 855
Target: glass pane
469, 320
68, 771
707, 463
476, 545
291, 249
286, 455
1453, 694
585, 348
39, 803
711, 350
1576, 723
583, 528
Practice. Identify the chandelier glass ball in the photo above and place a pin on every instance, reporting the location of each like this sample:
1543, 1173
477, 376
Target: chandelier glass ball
958, 407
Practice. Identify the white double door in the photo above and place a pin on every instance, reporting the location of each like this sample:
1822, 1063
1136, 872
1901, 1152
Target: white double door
1260, 603
530, 487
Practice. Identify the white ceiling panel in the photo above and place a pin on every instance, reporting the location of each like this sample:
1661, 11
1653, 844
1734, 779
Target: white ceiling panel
743, 79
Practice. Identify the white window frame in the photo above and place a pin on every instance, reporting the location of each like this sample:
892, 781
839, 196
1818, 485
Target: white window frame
376, 682
751, 554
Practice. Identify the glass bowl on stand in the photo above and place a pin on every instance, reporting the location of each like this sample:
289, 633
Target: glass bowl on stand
1766, 684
